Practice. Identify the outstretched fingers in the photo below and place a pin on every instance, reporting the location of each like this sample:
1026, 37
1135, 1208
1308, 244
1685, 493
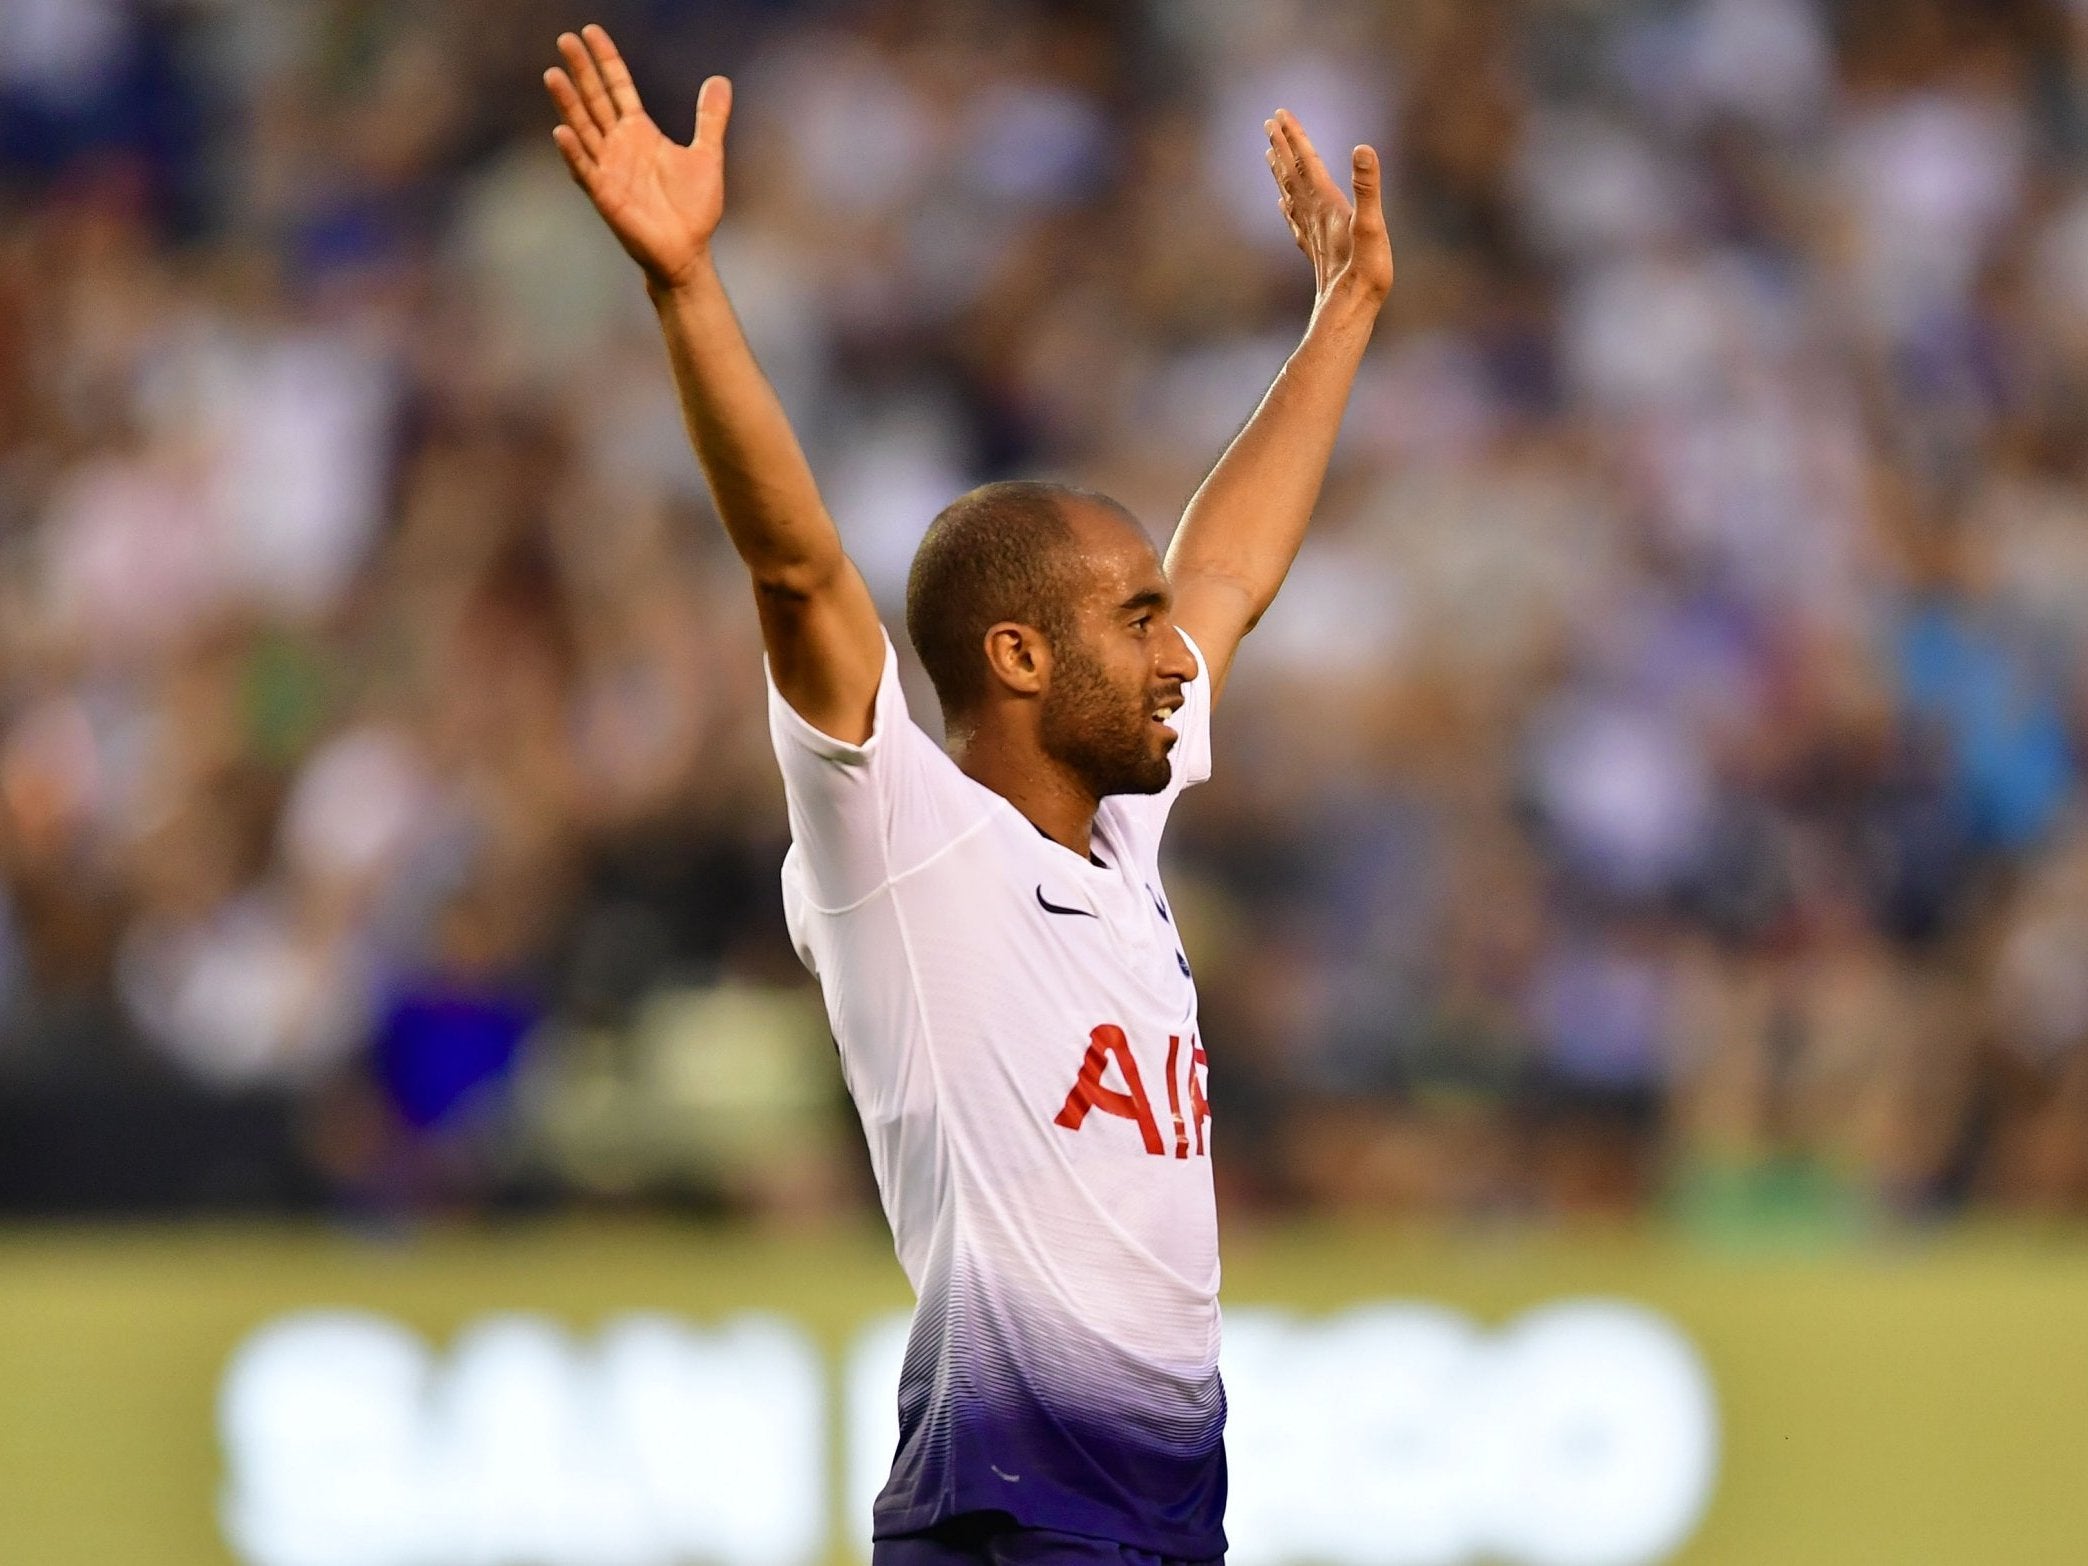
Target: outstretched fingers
579, 161
1312, 173
585, 77
623, 92
713, 110
1367, 181
1290, 185
575, 113
1281, 162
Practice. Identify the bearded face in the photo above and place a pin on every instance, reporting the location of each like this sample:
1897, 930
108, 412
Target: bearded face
1103, 724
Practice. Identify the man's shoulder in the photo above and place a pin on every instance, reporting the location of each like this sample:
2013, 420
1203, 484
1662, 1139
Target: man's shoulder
951, 837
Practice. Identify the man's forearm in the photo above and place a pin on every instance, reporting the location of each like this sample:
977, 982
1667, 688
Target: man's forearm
1244, 525
758, 476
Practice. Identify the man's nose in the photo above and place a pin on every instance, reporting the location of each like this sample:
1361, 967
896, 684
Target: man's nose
1176, 661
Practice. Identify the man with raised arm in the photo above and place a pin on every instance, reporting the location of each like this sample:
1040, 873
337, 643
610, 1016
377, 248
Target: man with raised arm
1015, 1016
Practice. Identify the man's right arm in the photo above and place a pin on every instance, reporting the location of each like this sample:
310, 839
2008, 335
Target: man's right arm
663, 202
825, 645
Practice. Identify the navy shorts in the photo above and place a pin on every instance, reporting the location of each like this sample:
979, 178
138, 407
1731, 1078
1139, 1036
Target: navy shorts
995, 1539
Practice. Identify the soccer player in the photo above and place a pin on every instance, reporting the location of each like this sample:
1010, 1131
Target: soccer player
1015, 1015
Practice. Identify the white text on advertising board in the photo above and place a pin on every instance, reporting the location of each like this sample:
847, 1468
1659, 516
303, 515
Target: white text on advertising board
1399, 1434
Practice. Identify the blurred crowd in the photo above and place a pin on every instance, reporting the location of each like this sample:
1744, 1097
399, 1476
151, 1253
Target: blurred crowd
1659, 787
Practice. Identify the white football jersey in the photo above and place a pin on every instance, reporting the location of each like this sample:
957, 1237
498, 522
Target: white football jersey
1017, 1025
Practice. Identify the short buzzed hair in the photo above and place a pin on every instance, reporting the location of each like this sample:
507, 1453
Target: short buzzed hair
1001, 552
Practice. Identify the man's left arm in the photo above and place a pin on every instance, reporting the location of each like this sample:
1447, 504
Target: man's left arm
1243, 527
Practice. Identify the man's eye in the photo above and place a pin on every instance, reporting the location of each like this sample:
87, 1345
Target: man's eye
1143, 622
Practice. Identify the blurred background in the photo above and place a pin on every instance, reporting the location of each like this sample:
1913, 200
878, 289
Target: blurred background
1658, 794
1659, 783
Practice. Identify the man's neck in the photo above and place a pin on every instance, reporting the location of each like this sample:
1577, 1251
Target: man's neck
1052, 799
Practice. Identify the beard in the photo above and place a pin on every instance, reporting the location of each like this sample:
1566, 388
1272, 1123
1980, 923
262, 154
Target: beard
1102, 734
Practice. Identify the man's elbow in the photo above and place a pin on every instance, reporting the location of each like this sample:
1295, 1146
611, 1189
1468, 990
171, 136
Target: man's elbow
1234, 593
796, 581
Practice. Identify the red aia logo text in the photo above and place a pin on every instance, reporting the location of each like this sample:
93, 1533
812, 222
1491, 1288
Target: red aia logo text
1130, 1102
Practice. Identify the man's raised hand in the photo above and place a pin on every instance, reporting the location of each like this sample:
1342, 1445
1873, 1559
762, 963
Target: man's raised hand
662, 200
1346, 242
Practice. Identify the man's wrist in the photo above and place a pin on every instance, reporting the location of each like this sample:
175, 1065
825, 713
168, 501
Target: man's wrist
663, 289
1347, 301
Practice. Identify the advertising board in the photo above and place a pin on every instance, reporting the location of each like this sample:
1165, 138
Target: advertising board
575, 1396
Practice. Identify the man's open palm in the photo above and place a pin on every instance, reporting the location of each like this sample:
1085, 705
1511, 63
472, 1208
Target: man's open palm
662, 200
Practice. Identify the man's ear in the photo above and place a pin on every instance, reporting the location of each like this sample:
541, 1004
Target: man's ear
1018, 659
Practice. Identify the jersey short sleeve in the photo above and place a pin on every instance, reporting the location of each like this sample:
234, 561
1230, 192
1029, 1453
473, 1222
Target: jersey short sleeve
1192, 753
862, 814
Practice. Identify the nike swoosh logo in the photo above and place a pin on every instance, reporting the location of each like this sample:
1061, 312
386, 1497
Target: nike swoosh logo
1049, 907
